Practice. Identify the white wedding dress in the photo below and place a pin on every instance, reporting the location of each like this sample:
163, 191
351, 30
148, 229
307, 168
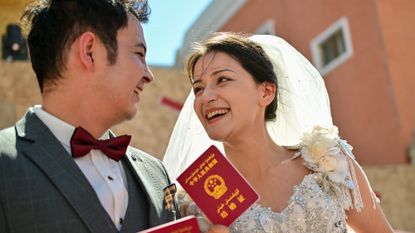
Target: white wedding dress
318, 204
313, 208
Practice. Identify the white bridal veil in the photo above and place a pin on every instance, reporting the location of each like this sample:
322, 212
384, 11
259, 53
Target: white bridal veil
302, 103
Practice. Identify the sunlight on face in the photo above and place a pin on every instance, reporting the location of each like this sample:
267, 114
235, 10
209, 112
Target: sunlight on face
226, 97
123, 82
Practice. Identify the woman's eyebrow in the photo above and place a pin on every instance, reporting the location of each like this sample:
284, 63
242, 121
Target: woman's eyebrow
222, 70
195, 81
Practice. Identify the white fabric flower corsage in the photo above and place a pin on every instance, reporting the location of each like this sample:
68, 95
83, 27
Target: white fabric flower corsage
321, 152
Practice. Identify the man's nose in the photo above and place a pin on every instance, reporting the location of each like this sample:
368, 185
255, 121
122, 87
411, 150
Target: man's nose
148, 75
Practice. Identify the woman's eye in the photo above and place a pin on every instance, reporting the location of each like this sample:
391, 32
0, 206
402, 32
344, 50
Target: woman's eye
223, 79
196, 90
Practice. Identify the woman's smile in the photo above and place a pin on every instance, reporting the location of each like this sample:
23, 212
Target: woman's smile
214, 115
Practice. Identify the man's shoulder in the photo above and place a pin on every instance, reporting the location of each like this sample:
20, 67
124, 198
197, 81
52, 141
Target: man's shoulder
9, 131
7, 137
8, 148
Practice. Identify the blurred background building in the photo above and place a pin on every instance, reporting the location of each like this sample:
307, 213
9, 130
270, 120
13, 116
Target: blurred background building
363, 49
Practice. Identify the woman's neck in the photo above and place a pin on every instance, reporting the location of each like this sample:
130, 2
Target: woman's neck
255, 156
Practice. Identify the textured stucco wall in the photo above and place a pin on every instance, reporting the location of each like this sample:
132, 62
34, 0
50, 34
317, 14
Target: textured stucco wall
151, 128
396, 185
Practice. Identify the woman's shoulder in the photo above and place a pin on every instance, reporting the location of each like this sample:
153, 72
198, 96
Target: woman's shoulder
326, 154
323, 151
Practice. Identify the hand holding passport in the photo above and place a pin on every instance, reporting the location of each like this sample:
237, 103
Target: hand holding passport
184, 225
217, 188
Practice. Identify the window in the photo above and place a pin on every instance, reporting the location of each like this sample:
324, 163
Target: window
332, 47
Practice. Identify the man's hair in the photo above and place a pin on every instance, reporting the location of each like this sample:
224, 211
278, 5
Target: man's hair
55, 24
249, 55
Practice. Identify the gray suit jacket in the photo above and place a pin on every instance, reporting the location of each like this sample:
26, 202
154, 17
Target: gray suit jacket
43, 190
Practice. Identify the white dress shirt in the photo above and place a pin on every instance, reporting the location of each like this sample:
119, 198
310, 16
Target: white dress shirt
106, 176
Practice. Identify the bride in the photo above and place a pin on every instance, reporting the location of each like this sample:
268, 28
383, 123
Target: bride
266, 107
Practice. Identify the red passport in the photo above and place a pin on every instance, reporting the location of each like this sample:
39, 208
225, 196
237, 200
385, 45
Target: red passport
184, 225
217, 188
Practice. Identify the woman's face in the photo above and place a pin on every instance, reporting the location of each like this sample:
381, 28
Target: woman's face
227, 100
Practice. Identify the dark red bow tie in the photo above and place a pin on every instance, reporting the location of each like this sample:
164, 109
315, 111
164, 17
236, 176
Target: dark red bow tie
82, 142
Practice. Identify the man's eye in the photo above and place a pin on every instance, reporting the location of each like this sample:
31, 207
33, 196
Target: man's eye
140, 54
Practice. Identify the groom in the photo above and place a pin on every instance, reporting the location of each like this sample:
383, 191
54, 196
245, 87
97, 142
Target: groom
89, 57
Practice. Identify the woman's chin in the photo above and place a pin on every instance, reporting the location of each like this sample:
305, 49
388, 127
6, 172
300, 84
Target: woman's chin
216, 136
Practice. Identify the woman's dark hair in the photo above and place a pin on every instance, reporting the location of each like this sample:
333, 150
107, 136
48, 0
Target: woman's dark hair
250, 56
55, 24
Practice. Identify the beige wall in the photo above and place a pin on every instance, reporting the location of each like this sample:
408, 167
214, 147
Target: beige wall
396, 187
151, 128
371, 92
10, 11
18, 88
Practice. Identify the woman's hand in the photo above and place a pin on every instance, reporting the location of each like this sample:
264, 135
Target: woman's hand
188, 207
218, 229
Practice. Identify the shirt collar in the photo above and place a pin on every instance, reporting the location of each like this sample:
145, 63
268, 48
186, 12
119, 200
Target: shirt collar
62, 130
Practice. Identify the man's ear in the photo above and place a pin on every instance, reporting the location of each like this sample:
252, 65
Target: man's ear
87, 48
267, 93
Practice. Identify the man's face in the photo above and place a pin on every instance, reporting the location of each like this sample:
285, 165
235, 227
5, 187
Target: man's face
120, 85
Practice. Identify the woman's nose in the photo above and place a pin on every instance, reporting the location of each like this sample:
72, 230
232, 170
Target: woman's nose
209, 94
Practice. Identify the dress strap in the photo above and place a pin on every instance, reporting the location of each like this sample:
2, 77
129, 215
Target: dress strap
346, 150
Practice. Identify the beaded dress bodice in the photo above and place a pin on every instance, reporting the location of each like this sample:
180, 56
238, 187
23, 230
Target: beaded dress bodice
319, 202
312, 208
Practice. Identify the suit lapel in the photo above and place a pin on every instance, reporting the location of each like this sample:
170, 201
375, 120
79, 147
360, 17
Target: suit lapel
150, 186
46, 151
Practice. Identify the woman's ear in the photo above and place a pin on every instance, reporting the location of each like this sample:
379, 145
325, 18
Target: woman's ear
87, 47
267, 93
